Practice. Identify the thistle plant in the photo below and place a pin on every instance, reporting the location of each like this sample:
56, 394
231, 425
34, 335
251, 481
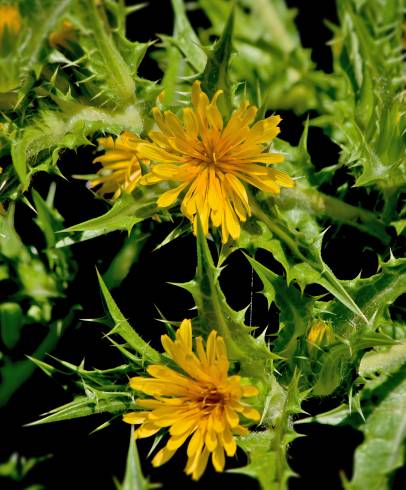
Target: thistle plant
105, 168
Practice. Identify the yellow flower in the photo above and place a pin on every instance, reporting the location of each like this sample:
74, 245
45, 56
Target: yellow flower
319, 334
210, 159
199, 401
121, 165
63, 36
10, 21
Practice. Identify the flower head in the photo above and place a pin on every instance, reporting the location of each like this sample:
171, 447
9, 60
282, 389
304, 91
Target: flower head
10, 22
199, 401
121, 169
210, 160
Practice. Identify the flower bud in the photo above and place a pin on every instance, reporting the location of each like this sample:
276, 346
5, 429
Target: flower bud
320, 334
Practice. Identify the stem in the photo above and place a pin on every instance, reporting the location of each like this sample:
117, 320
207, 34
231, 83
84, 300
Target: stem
276, 229
120, 79
391, 197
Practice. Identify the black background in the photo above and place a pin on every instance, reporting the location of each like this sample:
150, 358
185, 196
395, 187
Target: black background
82, 461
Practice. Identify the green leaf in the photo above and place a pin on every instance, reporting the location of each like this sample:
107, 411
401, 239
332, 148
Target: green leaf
121, 216
382, 361
399, 226
112, 75
48, 219
133, 478
185, 38
306, 247
276, 72
123, 328
215, 75
16, 373
382, 451
320, 204
83, 406
69, 127
262, 461
332, 417
374, 295
365, 113
11, 246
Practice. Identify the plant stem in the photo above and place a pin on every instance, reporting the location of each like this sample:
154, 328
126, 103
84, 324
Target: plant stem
276, 229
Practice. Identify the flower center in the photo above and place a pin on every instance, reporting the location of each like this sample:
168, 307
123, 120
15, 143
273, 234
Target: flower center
212, 398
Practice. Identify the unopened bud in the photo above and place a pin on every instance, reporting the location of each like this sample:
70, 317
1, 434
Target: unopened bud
320, 334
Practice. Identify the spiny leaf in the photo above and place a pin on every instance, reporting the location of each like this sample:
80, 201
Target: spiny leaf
68, 127
385, 434
306, 247
83, 406
123, 328
113, 74
133, 478
186, 39
121, 216
373, 294
215, 75
382, 361
368, 72
277, 73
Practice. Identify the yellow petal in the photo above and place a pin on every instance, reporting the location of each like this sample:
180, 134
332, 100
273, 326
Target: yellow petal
169, 197
154, 152
211, 438
196, 442
237, 186
175, 442
219, 422
146, 430
231, 416
269, 158
200, 465
281, 178
218, 458
135, 417
249, 390
200, 350
184, 333
162, 456
211, 346
229, 443
183, 425
231, 222
252, 414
